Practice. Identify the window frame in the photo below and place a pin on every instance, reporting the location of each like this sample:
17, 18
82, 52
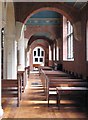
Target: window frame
87, 41
40, 53
70, 55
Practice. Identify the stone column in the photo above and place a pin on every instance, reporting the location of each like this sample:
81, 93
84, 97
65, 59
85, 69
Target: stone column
1, 110
10, 57
51, 54
28, 60
10, 45
21, 49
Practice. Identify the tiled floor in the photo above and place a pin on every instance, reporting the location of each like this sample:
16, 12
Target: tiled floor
34, 105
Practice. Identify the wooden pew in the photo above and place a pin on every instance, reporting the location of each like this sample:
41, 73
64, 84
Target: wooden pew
11, 89
53, 83
51, 74
83, 91
44, 68
53, 79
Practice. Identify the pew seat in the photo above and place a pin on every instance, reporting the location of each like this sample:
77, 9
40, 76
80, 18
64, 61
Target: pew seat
53, 84
72, 91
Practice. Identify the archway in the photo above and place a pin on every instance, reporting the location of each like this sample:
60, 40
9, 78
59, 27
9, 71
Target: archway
62, 8
44, 45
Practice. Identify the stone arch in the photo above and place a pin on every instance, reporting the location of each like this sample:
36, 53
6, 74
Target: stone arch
70, 13
41, 45
61, 8
30, 31
73, 16
34, 38
32, 46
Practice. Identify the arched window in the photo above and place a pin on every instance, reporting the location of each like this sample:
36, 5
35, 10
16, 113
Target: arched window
87, 41
57, 49
38, 56
54, 52
69, 41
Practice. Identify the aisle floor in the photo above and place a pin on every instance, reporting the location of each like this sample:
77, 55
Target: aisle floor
34, 104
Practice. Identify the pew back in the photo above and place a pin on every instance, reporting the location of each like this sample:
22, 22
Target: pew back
11, 89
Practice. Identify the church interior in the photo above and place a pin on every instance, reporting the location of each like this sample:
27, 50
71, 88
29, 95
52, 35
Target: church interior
44, 59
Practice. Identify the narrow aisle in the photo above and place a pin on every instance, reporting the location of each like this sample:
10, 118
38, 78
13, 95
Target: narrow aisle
34, 105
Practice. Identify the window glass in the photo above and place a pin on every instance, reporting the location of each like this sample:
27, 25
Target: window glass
41, 59
69, 41
42, 53
38, 51
38, 55
34, 53
36, 59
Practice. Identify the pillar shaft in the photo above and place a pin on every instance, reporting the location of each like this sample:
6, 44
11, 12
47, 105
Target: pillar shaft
1, 110
10, 58
21, 49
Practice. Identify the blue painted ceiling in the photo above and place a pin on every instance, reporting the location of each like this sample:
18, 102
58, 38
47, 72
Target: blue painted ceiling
46, 14
44, 18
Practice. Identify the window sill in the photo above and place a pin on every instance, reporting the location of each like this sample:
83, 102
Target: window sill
68, 60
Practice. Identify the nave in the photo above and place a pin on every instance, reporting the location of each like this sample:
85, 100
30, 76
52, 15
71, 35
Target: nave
34, 105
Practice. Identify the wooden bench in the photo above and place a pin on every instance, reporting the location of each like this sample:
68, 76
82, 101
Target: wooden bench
52, 73
72, 90
53, 79
11, 89
53, 83
44, 68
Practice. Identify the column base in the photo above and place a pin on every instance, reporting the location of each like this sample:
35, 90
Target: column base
1, 112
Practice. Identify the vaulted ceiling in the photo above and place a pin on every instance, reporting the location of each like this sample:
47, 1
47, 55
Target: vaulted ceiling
23, 9
45, 17
28, 8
